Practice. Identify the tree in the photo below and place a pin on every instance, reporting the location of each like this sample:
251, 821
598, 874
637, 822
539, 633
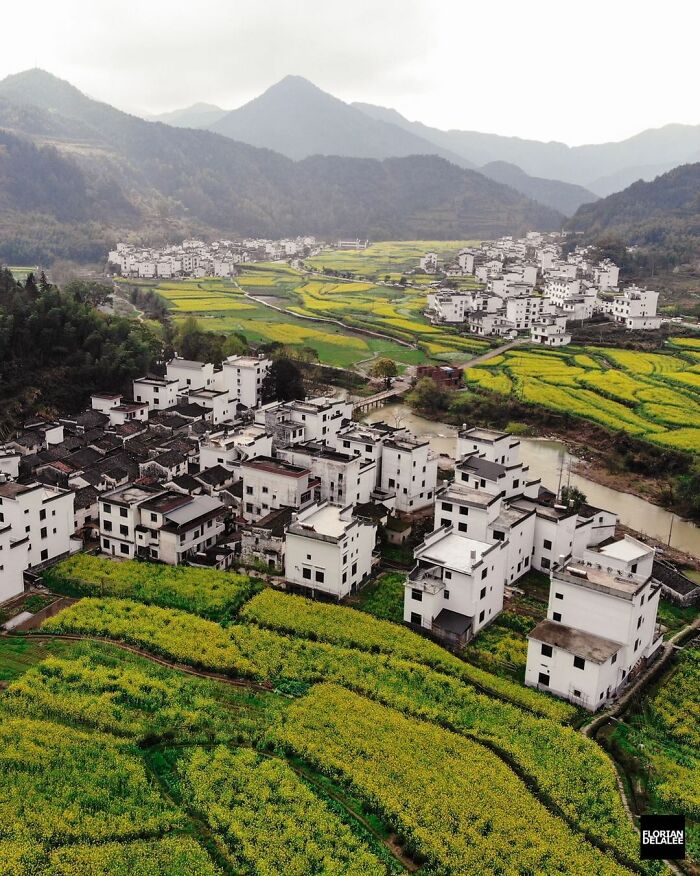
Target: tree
573, 498
283, 382
385, 368
89, 292
429, 397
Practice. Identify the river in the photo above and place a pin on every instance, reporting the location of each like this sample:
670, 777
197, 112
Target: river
549, 460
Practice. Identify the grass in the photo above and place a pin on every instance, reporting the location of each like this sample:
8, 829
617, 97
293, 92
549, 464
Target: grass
383, 598
20, 654
392, 257
655, 396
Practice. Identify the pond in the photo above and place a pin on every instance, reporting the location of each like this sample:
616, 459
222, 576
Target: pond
550, 461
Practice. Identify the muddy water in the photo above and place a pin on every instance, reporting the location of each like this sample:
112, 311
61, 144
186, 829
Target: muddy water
550, 461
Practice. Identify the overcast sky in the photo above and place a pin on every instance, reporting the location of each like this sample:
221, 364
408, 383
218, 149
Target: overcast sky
543, 69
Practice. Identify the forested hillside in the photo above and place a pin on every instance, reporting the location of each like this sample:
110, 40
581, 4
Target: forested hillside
128, 175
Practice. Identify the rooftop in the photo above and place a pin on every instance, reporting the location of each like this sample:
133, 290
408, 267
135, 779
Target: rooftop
603, 582
626, 549
454, 551
479, 434
275, 466
587, 645
325, 519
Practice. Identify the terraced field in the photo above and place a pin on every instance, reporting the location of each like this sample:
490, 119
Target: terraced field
392, 257
321, 313
381, 741
655, 396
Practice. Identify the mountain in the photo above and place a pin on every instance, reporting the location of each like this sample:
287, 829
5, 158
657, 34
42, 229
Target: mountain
561, 196
199, 115
298, 119
597, 167
155, 182
664, 212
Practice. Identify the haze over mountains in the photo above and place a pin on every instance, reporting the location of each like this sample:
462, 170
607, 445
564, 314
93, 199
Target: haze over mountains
298, 119
163, 182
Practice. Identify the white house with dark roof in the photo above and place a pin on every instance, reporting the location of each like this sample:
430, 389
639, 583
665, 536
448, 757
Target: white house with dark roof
601, 624
344, 478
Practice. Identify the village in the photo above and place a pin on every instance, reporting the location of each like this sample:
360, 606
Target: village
528, 287
194, 469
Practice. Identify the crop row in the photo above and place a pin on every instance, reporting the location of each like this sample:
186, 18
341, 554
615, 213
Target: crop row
207, 592
569, 770
455, 803
269, 819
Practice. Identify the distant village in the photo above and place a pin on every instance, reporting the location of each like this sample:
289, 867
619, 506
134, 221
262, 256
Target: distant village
195, 258
529, 287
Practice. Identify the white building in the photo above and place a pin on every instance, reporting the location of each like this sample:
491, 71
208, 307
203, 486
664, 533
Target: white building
14, 559
409, 468
635, 308
600, 627
242, 377
329, 549
190, 374
429, 263
215, 401
344, 478
456, 586
311, 419
43, 515
159, 393
269, 484
550, 331
157, 524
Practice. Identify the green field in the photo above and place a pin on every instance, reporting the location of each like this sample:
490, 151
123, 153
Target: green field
392, 257
655, 396
396, 311
367, 743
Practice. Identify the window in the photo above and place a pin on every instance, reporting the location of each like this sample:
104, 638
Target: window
249, 507
558, 595
462, 527
641, 601
446, 594
42, 514
448, 575
498, 536
544, 562
106, 508
265, 490
306, 573
543, 679
484, 573
636, 644
44, 554
249, 491
516, 484
416, 618
613, 659
123, 512
123, 530
417, 595
124, 548
320, 576
353, 571
639, 621
577, 693
447, 506
445, 521
546, 650
556, 616
464, 511
481, 616
633, 568
345, 577
547, 544
483, 593
579, 663
44, 533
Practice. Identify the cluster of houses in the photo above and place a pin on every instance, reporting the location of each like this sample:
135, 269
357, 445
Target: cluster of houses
195, 258
196, 469
527, 286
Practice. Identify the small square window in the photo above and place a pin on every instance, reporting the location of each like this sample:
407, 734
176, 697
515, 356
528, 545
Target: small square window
306, 573
546, 650
482, 614
556, 615
613, 659
416, 618
417, 595
543, 679
446, 594
558, 595
483, 593
579, 663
